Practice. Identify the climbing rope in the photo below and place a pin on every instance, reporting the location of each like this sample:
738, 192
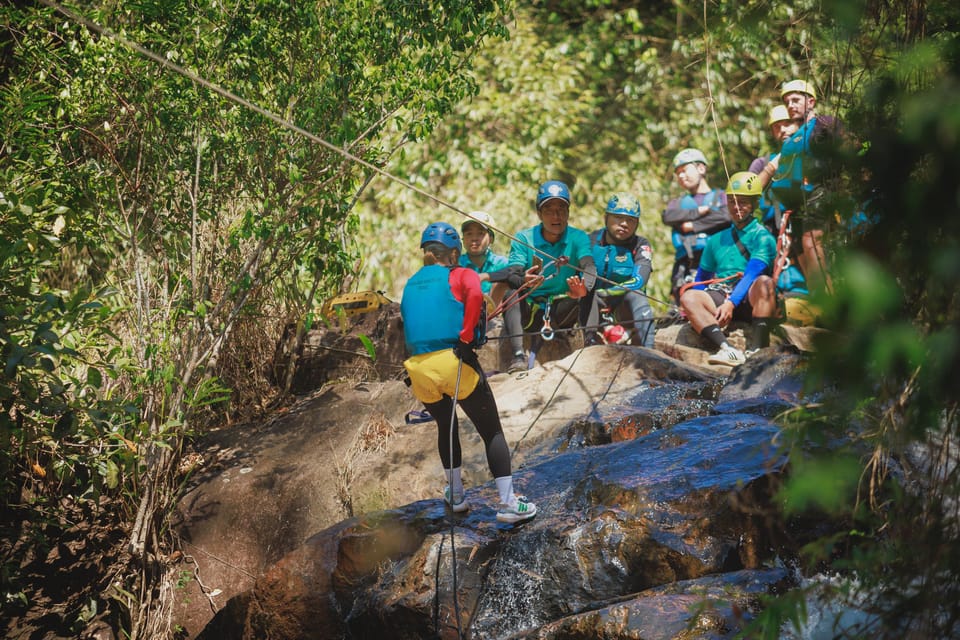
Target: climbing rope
782, 261
688, 285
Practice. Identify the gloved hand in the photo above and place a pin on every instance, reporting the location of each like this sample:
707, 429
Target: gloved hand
466, 354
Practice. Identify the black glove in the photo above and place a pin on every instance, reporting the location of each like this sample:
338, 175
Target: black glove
467, 355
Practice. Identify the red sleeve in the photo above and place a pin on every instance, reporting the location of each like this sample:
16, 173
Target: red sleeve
465, 286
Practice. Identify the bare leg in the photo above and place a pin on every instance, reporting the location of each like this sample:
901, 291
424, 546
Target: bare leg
813, 260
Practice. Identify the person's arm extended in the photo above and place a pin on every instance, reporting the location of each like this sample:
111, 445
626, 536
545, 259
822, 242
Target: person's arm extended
589, 272
701, 279
465, 285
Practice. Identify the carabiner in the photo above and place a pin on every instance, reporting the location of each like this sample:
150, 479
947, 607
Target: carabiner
547, 331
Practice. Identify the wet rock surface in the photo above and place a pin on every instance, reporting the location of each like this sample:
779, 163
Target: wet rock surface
653, 479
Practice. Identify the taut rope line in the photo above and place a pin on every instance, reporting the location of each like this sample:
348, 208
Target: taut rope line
232, 97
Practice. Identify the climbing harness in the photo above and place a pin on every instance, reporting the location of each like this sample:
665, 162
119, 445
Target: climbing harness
683, 289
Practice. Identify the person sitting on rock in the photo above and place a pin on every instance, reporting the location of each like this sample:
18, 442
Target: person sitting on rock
478, 235
541, 259
732, 282
442, 310
624, 263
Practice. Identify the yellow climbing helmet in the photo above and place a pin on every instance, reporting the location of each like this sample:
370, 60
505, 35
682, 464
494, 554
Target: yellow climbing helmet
744, 183
778, 114
798, 86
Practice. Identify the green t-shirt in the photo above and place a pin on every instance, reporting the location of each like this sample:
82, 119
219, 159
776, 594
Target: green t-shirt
492, 262
723, 258
574, 243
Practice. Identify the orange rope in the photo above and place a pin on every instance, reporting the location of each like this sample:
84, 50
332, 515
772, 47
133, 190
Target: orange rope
738, 274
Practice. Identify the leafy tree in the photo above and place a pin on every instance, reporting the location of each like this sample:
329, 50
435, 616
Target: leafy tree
213, 226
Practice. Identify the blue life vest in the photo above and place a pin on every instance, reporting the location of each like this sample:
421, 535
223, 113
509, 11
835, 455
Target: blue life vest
696, 242
432, 316
613, 262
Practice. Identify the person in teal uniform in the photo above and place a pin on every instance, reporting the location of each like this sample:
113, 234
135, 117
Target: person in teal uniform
478, 236
541, 258
733, 281
624, 262
800, 172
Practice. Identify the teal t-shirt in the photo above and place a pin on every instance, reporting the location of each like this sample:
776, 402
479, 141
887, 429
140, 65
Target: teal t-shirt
723, 258
574, 243
492, 262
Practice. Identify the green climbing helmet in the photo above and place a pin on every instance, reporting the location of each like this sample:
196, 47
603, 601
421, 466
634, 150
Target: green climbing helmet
623, 204
744, 183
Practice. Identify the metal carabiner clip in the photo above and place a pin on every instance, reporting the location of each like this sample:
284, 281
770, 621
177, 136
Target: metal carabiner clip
547, 331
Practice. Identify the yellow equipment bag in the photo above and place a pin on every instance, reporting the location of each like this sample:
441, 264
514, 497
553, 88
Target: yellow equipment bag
352, 304
801, 312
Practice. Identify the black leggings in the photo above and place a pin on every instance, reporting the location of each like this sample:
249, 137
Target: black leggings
481, 407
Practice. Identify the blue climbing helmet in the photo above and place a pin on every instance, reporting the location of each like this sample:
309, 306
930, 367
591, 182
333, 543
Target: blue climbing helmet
623, 204
443, 233
552, 189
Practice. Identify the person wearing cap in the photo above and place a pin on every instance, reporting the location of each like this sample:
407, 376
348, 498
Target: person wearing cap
624, 263
478, 236
798, 173
693, 217
543, 256
442, 313
733, 276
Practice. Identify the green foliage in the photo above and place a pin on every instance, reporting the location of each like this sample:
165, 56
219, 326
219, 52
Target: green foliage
602, 97
827, 482
158, 237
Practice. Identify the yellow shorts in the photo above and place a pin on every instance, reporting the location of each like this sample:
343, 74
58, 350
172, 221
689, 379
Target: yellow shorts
434, 375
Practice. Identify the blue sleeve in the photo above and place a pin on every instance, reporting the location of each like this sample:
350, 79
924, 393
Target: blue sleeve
754, 268
702, 276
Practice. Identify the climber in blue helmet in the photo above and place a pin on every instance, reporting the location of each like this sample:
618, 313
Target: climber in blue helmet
442, 310
626, 259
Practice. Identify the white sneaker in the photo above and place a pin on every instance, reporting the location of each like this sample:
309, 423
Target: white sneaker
522, 510
458, 503
728, 356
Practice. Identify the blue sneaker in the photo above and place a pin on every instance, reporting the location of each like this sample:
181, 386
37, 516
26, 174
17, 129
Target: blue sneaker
458, 503
522, 510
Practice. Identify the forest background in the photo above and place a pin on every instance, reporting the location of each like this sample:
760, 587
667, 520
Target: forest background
173, 216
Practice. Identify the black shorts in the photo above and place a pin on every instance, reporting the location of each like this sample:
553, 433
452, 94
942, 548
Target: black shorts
743, 311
